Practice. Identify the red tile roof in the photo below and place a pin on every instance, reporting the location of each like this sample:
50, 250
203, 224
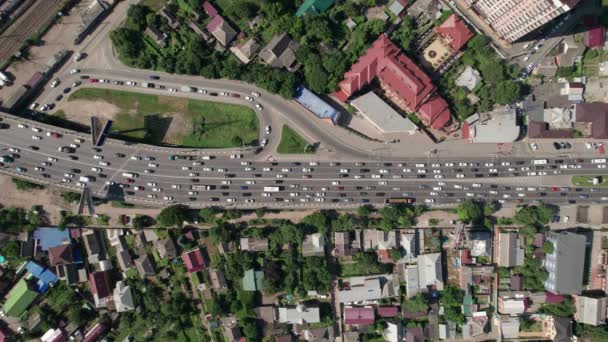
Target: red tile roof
386, 61
553, 298
455, 32
466, 130
209, 9
595, 113
100, 283
94, 334
435, 112
595, 37
537, 129
194, 260
359, 316
61, 255
214, 23
388, 311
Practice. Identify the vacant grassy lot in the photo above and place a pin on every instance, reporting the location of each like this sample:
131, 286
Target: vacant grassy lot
293, 143
155, 119
588, 180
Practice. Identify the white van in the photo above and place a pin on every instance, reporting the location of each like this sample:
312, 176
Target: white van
129, 174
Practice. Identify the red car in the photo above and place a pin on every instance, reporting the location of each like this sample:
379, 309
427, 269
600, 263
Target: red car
339, 188
93, 80
555, 189
130, 180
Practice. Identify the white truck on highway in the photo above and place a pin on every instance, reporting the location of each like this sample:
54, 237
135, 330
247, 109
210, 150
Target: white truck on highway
202, 187
187, 89
539, 161
84, 179
272, 188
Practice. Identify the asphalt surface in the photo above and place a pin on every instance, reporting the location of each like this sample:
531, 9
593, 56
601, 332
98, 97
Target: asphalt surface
241, 182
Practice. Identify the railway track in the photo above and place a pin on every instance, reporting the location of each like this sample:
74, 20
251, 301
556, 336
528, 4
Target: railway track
34, 19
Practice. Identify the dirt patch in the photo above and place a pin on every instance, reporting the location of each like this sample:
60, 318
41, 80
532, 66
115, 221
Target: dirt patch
48, 198
81, 110
179, 127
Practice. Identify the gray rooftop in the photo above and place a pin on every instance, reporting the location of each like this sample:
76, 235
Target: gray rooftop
566, 264
381, 115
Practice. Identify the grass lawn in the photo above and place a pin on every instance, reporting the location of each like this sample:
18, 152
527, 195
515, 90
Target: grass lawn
356, 269
588, 180
155, 119
293, 143
155, 5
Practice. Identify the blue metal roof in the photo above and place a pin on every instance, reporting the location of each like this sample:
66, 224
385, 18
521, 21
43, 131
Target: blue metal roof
316, 105
51, 237
45, 277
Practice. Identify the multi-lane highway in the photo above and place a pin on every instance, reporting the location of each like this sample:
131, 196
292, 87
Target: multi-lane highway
146, 174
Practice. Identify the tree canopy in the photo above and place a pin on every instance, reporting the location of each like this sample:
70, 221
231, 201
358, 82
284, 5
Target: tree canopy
172, 216
451, 298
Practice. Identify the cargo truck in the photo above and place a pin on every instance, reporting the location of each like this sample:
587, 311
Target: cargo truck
272, 188
202, 187
187, 89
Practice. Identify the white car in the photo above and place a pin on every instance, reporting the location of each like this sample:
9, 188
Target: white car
151, 196
493, 170
382, 183
534, 146
374, 176
193, 174
103, 163
230, 200
429, 201
383, 171
96, 169
207, 169
74, 145
438, 176
457, 186
168, 198
407, 170
52, 160
226, 182
152, 184
601, 166
38, 168
176, 186
256, 94
335, 183
66, 180
74, 71
264, 142
286, 170
33, 106
449, 164
266, 194
306, 169
36, 129
152, 165
192, 193
135, 158
68, 175
187, 168
223, 93
22, 125
138, 188
250, 182
36, 137
344, 170
267, 129
157, 189
249, 98
460, 175
97, 156
258, 106
267, 169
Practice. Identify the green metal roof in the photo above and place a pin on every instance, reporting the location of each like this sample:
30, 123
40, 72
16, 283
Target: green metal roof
314, 7
18, 299
253, 280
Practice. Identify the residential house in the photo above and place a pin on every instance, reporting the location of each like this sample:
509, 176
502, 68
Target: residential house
388, 311
123, 298
300, 314
342, 244
267, 314
313, 245
93, 247
393, 331
509, 327
590, 310
547, 67
253, 280
510, 250
324, 334
194, 260
511, 305
245, 52
469, 78
592, 119
61, 255
145, 266
370, 239
95, 333
166, 248
280, 52
359, 315
409, 275
71, 273
569, 52
447, 331
51, 335
573, 91
231, 328
565, 263
474, 327
221, 30
397, 7
481, 244
408, 242
367, 288
157, 36
430, 272
209, 9
218, 281
50, 237
386, 240
19, 298
415, 335
171, 19
454, 32
560, 329
43, 277
125, 262
496, 127
252, 244
595, 37
314, 7
100, 287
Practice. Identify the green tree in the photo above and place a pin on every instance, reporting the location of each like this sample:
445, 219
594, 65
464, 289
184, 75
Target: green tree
316, 275
23, 185
535, 215
418, 303
260, 212
451, 298
507, 92
406, 34
548, 247
70, 197
318, 220
172, 216
316, 77
343, 222
222, 232
127, 42
136, 16
364, 210
563, 309
250, 329
208, 214
395, 254
469, 212
141, 221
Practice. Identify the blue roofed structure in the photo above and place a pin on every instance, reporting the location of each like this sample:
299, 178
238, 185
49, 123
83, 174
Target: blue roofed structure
45, 278
316, 105
51, 237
